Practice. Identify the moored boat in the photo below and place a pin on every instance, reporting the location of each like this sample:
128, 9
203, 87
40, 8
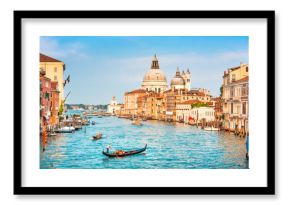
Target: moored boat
211, 129
122, 153
136, 122
65, 130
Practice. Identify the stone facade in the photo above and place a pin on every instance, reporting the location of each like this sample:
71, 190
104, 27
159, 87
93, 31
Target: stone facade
192, 115
54, 70
114, 108
235, 98
130, 105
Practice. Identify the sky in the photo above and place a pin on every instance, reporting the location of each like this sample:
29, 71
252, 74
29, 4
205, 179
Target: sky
104, 66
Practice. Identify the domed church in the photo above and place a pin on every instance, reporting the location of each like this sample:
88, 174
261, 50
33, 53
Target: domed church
154, 79
181, 81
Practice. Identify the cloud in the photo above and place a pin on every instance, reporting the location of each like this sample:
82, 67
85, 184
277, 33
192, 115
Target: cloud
233, 56
50, 46
206, 69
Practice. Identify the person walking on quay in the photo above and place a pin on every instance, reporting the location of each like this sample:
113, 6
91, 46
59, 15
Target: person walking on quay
247, 146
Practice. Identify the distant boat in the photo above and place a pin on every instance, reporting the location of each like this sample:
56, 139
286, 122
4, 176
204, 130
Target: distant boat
98, 136
93, 122
121, 153
51, 134
65, 130
136, 122
211, 129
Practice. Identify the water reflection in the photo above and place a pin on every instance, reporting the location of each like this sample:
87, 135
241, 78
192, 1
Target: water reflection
173, 146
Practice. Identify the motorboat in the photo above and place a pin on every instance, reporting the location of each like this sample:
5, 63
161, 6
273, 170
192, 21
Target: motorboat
136, 122
211, 128
65, 129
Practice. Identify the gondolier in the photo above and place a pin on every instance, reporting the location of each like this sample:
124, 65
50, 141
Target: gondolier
122, 153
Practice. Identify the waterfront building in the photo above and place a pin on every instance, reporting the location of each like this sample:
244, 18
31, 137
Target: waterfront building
114, 107
142, 106
199, 94
175, 96
235, 98
54, 70
120, 111
130, 99
218, 108
186, 112
154, 80
151, 106
45, 92
202, 114
54, 101
172, 97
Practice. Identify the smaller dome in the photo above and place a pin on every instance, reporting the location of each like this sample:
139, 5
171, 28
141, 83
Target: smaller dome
177, 81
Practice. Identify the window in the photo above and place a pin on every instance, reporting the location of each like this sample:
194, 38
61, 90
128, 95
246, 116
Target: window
244, 91
233, 77
232, 108
247, 68
244, 108
232, 92
55, 69
55, 78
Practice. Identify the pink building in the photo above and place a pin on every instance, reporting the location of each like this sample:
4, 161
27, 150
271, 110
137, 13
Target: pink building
45, 95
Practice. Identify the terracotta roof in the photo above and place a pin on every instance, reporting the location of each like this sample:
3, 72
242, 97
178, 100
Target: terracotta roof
234, 68
245, 79
216, 99
136, 91
167, 91
44, 58
195, 92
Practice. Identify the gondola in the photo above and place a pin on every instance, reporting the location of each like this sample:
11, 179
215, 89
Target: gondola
120, 153
97, 137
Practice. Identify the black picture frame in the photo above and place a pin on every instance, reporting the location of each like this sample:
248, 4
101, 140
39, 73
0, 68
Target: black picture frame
268, 190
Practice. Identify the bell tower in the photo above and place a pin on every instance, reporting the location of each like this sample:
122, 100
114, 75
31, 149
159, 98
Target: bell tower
187, 78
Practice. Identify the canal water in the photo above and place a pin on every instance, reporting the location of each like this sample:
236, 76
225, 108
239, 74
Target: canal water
170, 146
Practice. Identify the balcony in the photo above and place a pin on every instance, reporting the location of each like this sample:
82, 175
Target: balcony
42, 71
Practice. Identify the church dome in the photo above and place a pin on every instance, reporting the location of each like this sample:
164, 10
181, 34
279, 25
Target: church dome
154, 75
177, 79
